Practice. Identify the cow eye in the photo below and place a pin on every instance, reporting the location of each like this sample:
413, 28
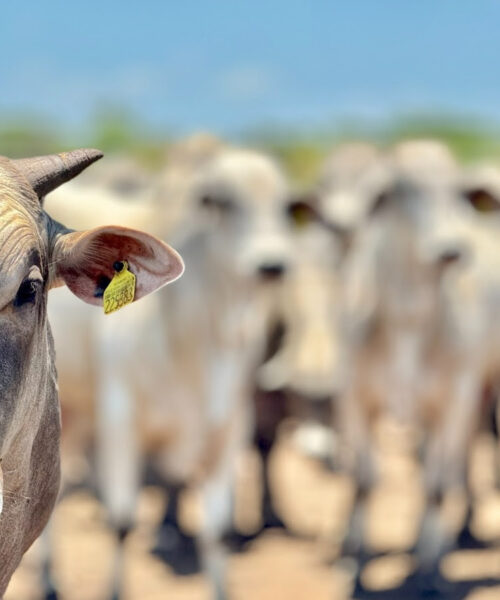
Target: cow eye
27, 292
482, 201
219, 203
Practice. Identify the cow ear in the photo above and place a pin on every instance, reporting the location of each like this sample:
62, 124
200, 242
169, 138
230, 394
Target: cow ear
84, 261
302, 211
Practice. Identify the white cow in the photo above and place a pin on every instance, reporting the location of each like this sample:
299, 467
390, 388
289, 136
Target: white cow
308, 365
187, 403
420, 289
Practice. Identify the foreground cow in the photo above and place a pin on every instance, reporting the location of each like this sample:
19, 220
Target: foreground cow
38, 253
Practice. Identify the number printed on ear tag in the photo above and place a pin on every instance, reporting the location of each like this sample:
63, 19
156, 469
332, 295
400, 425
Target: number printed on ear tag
121, 290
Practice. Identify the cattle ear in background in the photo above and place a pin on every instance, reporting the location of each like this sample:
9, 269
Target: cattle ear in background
302, 210
84, 261
482, 200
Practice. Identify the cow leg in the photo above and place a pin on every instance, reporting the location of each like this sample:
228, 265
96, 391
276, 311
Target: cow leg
173, 545
234, 539
353, 544
466, 538
217, 500
355, 429
49, 587
433, 541
271, 409
270, 517
445, 468
353, 554
118, 459
119, 564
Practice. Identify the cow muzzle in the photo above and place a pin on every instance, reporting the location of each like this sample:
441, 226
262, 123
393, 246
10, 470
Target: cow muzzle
271, 271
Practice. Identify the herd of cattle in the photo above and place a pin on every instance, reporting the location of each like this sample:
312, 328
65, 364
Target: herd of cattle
376, 292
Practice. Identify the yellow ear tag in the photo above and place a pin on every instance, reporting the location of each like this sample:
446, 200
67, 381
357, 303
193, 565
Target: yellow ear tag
121, 289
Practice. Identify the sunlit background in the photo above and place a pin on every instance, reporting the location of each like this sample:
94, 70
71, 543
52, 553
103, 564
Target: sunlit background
296, 81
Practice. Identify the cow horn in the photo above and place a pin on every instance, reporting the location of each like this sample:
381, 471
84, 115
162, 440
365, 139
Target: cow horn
46, 173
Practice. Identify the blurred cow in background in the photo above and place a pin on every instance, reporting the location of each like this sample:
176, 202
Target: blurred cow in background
406, 340
295, 380
380, 293
185, 408
350, 182
480, 188
418, 300
306, 372
235, 259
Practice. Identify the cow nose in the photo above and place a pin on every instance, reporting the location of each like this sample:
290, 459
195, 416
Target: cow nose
271, 271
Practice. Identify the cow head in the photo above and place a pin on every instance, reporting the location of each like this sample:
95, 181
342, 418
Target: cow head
37, 253
412, 231
244, 197
396, 283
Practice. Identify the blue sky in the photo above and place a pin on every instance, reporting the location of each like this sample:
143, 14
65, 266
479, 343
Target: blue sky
229, 65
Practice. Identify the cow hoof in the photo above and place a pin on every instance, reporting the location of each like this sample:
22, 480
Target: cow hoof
178, 550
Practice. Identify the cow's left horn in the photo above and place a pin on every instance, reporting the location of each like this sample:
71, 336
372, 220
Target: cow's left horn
46, 173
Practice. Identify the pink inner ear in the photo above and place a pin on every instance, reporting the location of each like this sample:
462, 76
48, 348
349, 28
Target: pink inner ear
90, 261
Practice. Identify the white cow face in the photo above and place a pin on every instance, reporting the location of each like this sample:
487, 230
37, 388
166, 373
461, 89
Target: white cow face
400, 258
309, 361
244, 197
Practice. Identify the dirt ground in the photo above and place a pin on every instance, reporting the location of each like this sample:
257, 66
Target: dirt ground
314, 502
